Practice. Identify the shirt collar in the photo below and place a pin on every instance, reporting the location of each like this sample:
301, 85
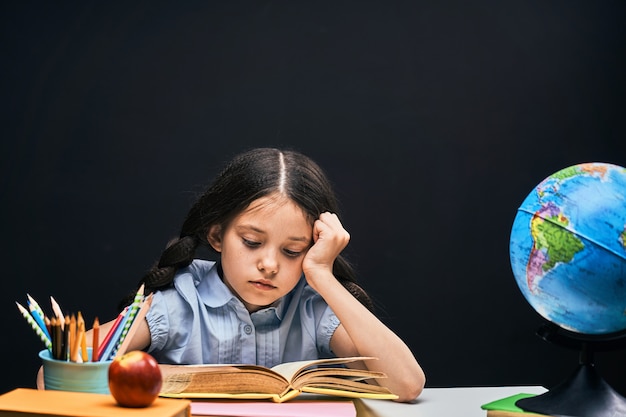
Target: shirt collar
280, 306
212, 290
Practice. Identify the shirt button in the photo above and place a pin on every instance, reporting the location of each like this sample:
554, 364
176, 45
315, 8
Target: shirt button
247, 329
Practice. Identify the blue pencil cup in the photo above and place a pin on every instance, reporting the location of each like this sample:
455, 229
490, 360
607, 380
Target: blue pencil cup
71, 376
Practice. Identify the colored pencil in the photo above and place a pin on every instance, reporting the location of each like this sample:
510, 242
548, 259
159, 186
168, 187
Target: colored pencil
95, 330
81, 343
132, 312
106, 354
65, 347
110, 333
39, 320
35, 305
73, 339
57, 338
35, 326
136, 323
58, 312
83, 356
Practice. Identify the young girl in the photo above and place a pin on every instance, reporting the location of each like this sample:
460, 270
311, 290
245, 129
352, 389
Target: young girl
280, 291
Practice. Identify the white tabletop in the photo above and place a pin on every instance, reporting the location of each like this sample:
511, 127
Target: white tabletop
443, 402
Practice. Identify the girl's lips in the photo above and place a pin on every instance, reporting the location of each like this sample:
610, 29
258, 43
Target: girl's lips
262, 285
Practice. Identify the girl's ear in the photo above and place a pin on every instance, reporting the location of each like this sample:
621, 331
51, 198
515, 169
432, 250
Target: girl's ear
214, 237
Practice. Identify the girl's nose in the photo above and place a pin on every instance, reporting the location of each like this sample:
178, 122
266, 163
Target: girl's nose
268, 264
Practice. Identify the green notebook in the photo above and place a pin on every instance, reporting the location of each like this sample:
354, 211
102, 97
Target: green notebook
507, 403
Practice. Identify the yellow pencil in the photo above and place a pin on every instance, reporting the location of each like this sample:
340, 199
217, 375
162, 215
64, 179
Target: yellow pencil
81, 342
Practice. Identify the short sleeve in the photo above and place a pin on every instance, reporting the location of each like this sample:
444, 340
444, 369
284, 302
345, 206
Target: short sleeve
326, 328
158, 322
320, 319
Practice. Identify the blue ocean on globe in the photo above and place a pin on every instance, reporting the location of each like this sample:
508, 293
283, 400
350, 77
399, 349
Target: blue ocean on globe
568, 248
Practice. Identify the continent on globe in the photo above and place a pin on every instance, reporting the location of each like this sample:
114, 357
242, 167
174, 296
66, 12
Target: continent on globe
553, 243
568, 248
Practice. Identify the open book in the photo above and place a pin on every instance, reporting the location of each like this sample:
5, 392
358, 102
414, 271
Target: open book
280, 383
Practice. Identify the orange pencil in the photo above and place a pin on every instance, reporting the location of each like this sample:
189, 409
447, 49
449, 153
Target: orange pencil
96, 340
73, 339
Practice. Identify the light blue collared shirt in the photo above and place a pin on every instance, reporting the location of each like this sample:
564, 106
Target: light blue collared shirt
199, 320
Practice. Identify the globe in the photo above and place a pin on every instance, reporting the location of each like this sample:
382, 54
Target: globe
568, 248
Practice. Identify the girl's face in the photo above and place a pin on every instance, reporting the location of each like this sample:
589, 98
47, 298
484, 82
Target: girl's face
262, 250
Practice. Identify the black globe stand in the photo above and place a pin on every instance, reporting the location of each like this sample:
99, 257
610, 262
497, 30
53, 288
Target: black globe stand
585, 393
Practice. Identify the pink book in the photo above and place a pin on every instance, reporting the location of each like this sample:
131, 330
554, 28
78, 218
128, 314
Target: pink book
294, 408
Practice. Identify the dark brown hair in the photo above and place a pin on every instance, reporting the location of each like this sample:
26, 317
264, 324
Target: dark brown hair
249, 176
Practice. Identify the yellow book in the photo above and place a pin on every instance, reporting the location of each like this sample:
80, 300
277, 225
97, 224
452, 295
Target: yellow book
280, 383
26, 402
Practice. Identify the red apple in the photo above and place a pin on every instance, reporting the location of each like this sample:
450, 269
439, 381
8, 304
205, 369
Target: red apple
135, 379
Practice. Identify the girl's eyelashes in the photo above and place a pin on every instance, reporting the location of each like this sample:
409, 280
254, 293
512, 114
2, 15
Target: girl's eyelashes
292, 253
250, 243
254, 244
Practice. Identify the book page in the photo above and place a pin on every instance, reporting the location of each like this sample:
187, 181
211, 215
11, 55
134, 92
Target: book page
289, 369
341, 384
223, 379
184, 369
312, 376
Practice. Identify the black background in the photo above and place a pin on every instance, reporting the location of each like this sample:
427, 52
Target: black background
434, 120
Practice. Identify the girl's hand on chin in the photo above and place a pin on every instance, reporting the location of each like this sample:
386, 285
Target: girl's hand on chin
329, 239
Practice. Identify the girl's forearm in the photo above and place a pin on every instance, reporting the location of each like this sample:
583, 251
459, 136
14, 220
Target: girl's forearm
370, 337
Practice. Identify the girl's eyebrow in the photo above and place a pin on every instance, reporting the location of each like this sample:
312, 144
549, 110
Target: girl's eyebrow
248, 226
245, 227
299, 239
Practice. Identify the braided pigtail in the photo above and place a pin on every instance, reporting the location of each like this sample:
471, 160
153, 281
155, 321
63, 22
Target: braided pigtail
179, 253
